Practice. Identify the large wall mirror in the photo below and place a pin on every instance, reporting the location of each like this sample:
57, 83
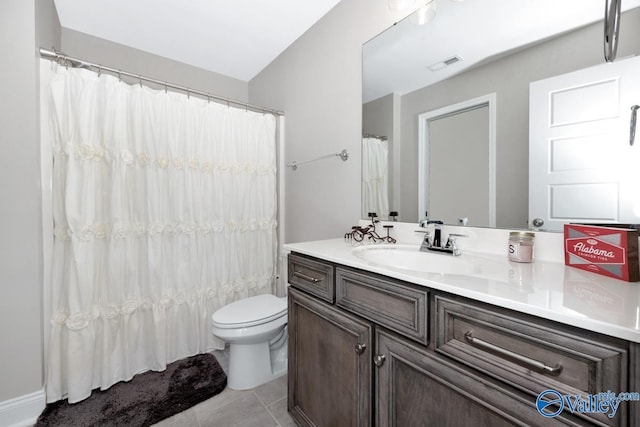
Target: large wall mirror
472, 50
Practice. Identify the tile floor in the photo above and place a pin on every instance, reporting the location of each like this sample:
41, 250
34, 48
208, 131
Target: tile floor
263, 406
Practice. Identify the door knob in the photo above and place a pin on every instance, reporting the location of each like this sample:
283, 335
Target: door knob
379, 359
360, 348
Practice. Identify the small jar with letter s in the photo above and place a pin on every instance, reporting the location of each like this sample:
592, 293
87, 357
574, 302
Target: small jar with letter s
521, 246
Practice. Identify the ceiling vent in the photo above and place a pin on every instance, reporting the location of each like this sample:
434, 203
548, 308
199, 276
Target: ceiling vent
445, 63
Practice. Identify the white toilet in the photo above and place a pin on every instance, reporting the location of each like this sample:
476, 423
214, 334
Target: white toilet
256, 330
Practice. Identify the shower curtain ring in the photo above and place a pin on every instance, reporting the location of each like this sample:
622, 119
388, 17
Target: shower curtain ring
140, 80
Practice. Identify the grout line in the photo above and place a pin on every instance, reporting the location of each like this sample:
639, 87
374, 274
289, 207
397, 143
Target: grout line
277, 400
260, 400
273, 403
219, 408
266, 409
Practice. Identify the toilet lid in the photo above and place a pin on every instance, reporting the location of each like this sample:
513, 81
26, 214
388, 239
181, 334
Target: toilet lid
250, 311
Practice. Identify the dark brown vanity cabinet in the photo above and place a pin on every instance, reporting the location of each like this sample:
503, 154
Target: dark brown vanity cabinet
388, 353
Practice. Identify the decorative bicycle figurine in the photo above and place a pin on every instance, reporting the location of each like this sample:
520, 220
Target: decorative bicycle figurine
369, 232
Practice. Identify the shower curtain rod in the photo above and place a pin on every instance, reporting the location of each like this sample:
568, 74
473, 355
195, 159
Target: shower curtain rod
78, 63
370, 135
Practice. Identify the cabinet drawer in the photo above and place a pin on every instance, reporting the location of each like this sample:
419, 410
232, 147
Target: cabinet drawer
531, 354
312, 276
387, 302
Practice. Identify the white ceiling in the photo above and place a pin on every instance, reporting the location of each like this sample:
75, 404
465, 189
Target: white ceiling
236, 38
398, 60
239, 38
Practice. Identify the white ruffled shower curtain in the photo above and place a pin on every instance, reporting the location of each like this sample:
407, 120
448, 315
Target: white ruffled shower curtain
164, 210
375, 177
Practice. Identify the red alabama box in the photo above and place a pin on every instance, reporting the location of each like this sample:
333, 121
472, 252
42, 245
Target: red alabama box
610, 250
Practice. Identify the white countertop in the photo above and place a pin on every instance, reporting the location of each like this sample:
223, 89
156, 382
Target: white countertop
546, 289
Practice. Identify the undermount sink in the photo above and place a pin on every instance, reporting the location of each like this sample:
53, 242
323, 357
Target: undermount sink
406, 257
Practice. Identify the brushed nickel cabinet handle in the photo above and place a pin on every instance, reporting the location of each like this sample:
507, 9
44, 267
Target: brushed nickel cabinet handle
360, 348
524, 360
379, 359
306, 277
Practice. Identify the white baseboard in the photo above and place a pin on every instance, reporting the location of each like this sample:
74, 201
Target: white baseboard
23, 410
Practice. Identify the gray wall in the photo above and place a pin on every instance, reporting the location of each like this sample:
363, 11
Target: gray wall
509, 77
100, 51
29, 25
317, 82
21, 370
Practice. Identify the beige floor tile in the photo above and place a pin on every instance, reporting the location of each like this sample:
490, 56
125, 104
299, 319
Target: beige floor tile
224, 398
272, 391
182, 419
278, 410
244, 411
263, 406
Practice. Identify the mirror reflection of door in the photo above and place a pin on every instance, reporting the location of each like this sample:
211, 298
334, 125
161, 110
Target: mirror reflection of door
461, 183
582, 166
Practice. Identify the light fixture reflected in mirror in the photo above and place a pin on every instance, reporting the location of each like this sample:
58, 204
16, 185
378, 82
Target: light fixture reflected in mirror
399, 5
424, 13
421, 15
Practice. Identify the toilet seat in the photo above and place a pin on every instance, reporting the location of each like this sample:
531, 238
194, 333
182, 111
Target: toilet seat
250, 311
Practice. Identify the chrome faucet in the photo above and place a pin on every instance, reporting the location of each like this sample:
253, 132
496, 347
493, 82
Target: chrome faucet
424, 222
435, 244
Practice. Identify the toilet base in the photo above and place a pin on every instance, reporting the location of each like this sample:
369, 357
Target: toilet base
251, 365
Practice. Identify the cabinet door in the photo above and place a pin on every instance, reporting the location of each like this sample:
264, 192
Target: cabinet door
417, 388
634, 383
329, 364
